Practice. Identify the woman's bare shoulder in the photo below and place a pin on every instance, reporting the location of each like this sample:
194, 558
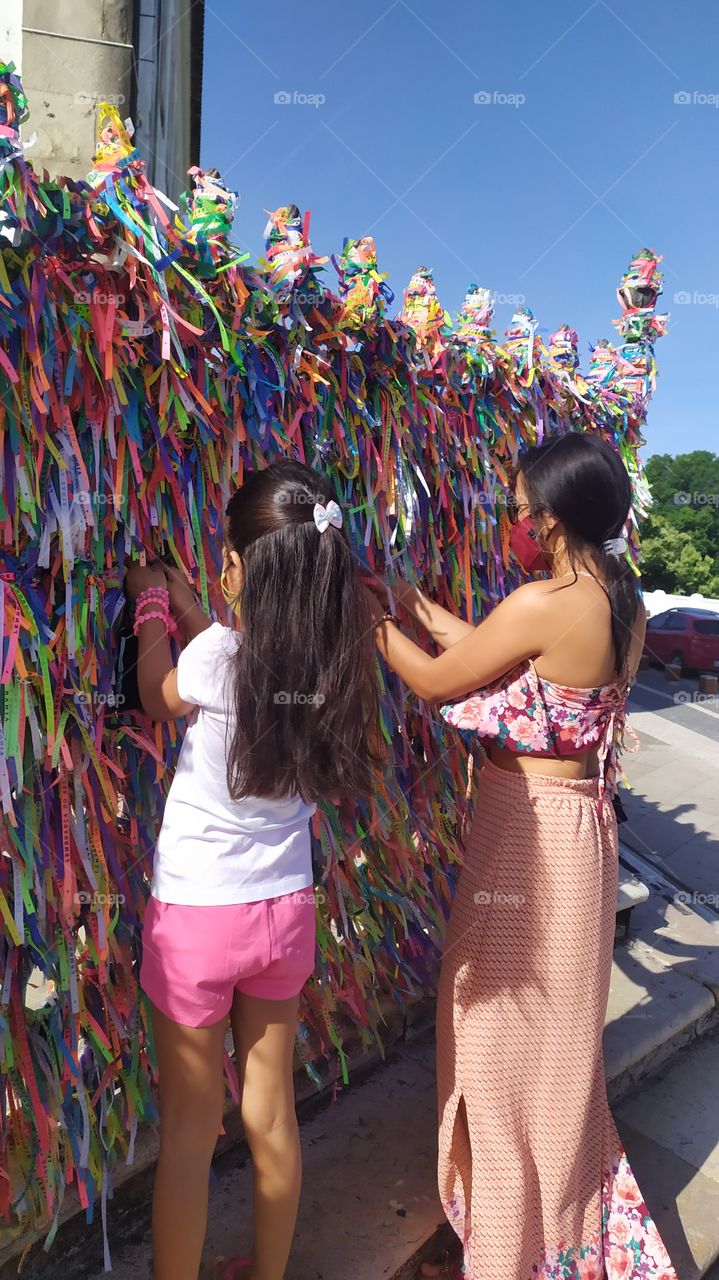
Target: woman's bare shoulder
530, 598
539, 594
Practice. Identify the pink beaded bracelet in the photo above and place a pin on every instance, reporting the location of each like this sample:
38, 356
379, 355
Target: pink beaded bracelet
154, 593
154, 602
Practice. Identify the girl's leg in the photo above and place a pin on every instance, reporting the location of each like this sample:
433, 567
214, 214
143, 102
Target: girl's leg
264, 1032
190, 1063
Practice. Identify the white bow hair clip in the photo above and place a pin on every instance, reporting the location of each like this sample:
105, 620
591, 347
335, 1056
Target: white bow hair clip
615, 546
326, 516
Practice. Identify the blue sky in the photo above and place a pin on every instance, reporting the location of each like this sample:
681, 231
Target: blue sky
546, 197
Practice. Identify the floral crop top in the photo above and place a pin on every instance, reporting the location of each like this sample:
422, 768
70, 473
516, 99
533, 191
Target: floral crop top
525, 713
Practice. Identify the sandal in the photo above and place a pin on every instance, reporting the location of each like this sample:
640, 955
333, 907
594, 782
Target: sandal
229, 1268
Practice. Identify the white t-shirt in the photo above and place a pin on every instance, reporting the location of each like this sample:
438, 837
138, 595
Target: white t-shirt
213, 850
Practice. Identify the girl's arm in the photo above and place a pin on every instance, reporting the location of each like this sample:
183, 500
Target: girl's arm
193, 620
185, 606
156, 673
516, 630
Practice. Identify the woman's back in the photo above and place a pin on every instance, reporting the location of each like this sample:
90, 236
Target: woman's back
580, 650
578, 653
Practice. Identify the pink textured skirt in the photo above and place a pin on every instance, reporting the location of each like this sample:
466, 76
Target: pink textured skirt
532, 1174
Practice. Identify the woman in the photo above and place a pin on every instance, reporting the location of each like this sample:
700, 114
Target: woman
532, 1173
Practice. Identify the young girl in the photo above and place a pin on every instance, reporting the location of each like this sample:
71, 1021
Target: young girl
283, 713
532, 1173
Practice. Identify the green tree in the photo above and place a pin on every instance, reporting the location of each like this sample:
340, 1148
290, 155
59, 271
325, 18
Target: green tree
680, 537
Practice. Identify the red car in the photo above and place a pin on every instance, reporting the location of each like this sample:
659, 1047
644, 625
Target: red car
687, 638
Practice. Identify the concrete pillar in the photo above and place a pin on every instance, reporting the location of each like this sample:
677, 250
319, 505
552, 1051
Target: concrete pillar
76, 53
11, 33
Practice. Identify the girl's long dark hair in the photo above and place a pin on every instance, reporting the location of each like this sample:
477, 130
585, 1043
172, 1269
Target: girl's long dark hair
582, 481
305, 687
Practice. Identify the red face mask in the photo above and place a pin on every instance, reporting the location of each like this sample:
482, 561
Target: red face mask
525, 546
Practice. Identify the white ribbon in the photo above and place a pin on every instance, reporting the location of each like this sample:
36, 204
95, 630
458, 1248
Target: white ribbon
326, 516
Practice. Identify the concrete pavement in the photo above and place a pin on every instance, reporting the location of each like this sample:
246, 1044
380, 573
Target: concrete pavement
673, 805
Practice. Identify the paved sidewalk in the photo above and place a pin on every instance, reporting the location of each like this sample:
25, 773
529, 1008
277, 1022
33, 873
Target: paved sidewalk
673, 807
670, 1129
369, 1197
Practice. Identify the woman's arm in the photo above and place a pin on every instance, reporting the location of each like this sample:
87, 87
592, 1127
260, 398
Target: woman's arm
516, 630
636, 647
445, 628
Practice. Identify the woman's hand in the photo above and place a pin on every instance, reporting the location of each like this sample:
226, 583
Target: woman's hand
404, 594
398, 590
139, 577
375, 588
374, 601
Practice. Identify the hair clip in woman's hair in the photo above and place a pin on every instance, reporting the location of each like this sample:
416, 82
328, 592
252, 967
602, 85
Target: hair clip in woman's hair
614, 546
326, 516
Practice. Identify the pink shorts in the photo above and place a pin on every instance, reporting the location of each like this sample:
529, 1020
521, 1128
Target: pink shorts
195, 958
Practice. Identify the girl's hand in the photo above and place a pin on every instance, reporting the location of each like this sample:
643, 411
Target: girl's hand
182, 596
139, 577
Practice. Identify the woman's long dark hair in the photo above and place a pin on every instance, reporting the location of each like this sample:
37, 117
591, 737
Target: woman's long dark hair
582, 481
305, 682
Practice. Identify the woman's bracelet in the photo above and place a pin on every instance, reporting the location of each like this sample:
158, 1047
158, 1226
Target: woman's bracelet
386, 617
